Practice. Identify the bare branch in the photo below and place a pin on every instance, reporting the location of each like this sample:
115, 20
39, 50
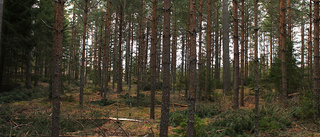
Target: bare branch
46, 24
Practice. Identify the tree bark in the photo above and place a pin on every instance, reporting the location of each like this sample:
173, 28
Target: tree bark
200, 54
208, 50
302, 47
217, 69
316, 57
153, 57
226, 63
242, 55
57, 62
119, 84
236, 55
82, 69
166, 71
107, 48
174, 52
140, 53
1, 47
256, 69
289, 21
192, 62
310, 43
283, 48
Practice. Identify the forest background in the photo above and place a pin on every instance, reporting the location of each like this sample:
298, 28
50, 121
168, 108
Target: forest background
159, 67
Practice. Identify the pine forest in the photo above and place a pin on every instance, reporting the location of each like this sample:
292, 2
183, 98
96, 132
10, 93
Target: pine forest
167, 68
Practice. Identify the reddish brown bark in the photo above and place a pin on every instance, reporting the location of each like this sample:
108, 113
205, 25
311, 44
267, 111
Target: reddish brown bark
242, 55
165, 71
192, 62
57, 62
283, 48
119, 84
208, 50
256, 69
217, 69
316, 57
82, 69
199, 53
236, 55
107, 48
153, 57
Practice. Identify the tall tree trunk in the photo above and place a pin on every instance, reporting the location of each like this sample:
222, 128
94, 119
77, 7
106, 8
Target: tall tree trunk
107, 48
72, 50
82, 69
1, 47
208, 50
174, 52
246, 47
200, 54
140, 53
302, 47
28, 68
192, 62
128, 52
115, 53
119, 84
217, 70
100, 61
283, 48
57, 62
256, 68
153, 57
226, 63
242, 55
166, 71
236, 55
310, 42
271, 41
316, 57
289, 21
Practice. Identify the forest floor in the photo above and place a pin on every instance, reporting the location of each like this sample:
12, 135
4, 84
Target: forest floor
115, 118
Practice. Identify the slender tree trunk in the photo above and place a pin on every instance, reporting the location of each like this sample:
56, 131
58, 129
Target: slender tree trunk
182, 54
107, 48
72, 50
200, 54
271, 41
289, 21
100, 61
217, 70
236, 56
283, 48
256, 68
226, 63
208, 51
310, 43
316, 57
166, 71
242, 54
57, 68
153, 57
192, 63
140, 54
302, 47
119, 84
128, 52
28, 68
1, 47
174, 52
82, 69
